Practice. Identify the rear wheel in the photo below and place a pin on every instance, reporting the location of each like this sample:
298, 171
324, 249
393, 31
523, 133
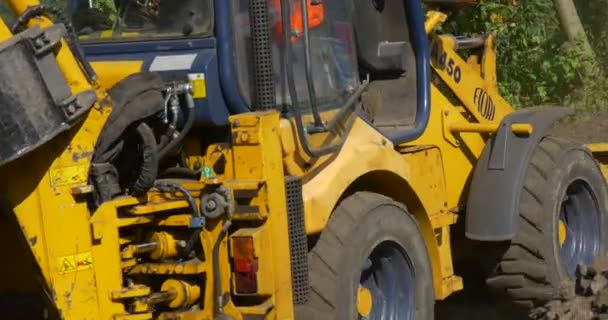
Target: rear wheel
370, 262
562, 222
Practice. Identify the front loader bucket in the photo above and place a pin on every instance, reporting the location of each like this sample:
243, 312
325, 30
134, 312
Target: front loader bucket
36, 103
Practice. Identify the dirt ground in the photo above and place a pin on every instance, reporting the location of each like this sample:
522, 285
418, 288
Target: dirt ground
476, 302
588, 128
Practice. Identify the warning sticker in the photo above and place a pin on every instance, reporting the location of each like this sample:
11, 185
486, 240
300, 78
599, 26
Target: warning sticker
199, 86
77, 262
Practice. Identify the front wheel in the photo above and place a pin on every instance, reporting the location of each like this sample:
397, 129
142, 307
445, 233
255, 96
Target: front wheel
370, 262
562, 223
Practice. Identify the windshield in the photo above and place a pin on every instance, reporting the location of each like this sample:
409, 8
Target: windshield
140, 19
333, 60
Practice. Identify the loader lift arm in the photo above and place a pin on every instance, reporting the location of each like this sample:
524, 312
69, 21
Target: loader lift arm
513, 135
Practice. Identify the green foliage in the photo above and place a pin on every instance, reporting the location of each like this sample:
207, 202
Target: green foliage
593, 14
591, 93
535, 66
106, 7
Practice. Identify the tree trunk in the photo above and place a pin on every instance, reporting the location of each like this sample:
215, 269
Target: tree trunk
571, 23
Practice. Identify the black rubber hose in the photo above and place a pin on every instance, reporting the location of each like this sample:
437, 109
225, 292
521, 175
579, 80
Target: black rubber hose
149, 164
312, 94
181, 173
164, 140
285, 14
187, 126
170, 186
217, 283
191, 242
71, 39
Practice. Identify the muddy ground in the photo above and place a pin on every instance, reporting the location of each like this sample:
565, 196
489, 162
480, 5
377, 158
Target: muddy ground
476, 302
585, 128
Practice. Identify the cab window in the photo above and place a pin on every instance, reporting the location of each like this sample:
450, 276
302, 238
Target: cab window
103, 20
333, 58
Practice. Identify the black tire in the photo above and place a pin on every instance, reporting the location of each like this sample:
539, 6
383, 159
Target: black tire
361, 228
561, 176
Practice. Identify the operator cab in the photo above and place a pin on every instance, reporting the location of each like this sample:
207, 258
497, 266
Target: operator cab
239, 68
140, 19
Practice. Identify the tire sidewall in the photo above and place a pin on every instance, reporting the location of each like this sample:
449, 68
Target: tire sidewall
396, 225
575, 164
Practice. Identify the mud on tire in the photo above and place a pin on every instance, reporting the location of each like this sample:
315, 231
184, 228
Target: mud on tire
562, 222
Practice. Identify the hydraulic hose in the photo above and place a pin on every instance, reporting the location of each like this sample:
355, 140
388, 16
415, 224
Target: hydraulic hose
182, 173
191, 242
149, 165
169, 186
187, 126
216, 268
285, 14
312, 94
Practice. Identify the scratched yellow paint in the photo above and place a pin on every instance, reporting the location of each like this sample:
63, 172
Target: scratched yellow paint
69, 175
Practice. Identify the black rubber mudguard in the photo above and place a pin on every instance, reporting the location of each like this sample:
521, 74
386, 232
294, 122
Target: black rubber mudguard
491, 211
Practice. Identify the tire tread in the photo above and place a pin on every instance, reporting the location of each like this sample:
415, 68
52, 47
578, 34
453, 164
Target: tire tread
521, 273
324, 261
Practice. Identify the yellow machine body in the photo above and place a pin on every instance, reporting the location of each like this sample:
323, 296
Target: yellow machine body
81, 254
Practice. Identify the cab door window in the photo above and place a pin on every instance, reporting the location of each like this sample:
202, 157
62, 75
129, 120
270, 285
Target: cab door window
332, 51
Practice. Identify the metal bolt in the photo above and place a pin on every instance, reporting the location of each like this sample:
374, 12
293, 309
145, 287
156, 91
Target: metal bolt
188, 88
210, 205
181, 243
236, 123
39, 42
197, 165
350, 89
71, 109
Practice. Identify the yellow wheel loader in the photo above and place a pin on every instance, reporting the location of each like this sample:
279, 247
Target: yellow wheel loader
272, 159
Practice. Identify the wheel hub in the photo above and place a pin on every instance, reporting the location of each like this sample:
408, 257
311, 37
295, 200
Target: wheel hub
386, 287
364, 301
579, 234
562, 233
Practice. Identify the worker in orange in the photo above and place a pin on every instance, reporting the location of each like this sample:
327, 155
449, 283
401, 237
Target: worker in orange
316, 16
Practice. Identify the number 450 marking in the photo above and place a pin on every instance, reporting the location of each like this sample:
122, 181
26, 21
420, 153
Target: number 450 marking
453, 70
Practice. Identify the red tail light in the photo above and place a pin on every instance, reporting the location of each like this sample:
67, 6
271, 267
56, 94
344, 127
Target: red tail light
245, 265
